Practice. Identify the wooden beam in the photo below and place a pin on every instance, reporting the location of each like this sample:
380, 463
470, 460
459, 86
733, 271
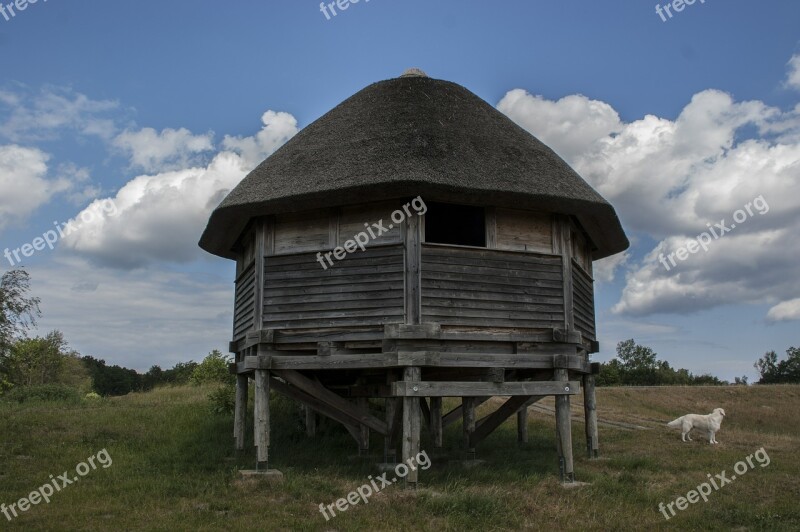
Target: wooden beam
488, 424
590, 412
358, 416
394, 420
262, 417
306, 399
481, 389
240, 411
564, 430
411, 428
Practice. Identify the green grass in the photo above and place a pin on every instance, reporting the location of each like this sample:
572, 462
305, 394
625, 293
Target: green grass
174, 468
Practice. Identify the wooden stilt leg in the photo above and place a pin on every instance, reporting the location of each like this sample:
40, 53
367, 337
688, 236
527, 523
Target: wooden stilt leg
363, 440
411, 429
522, 425
311, 422
262, 418
590, 411
468, 412
564, 431
240, 412
436, 421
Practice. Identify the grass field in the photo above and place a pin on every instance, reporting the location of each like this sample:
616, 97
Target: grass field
174, 468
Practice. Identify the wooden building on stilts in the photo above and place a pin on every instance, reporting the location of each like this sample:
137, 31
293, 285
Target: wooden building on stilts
481, 286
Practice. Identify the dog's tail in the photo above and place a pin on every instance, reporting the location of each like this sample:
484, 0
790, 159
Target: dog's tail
675, 424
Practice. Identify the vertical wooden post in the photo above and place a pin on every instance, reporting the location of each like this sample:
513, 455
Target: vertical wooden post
522, 425
436, 421
311, 422
412, 237
363, 430
263, 238
393, 408
411, 429
240, 411
562, 245
262, 418
468, 413
590, 411
564, 431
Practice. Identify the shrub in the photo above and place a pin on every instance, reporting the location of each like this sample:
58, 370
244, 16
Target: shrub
44, 393
223, 400
213, 369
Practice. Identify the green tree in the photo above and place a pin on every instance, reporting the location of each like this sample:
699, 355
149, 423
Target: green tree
773, 371
214, 368
18, 313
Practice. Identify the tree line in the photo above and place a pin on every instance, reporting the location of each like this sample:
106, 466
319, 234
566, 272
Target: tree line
48, 361
36, 362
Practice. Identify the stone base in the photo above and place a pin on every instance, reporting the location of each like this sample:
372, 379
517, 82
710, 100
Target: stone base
574, 484
467, 464
272, 475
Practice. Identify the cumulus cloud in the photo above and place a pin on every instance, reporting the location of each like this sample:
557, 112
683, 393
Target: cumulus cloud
148, 316
570, 125
787, 310
43, 115
171, 148
24, 186
669, 179
160, 216
278, 128
605, 270
793, 75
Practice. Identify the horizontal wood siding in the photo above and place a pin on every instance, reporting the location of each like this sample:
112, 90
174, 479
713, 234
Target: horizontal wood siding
245, 298
366, 288
490, 288
583, 301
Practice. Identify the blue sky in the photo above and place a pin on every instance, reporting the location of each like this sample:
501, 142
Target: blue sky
159, 107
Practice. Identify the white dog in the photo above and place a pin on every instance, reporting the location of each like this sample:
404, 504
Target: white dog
711, 423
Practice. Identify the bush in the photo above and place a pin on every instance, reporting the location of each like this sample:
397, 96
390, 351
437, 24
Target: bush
213, 369
44, 393
223, 400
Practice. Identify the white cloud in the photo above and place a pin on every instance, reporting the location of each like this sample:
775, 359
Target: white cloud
605, 269
24, 186
160, 216
278, 128
570, 125
171, 148
793, 75
787, 310
149, 316
51, 111
668, 179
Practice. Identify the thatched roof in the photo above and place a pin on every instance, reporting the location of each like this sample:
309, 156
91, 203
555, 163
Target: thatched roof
412, 136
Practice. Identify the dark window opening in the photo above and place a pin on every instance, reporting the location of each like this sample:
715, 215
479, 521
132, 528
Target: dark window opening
460, 225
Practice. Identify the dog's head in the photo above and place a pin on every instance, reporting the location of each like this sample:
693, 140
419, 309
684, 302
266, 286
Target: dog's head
719, 411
